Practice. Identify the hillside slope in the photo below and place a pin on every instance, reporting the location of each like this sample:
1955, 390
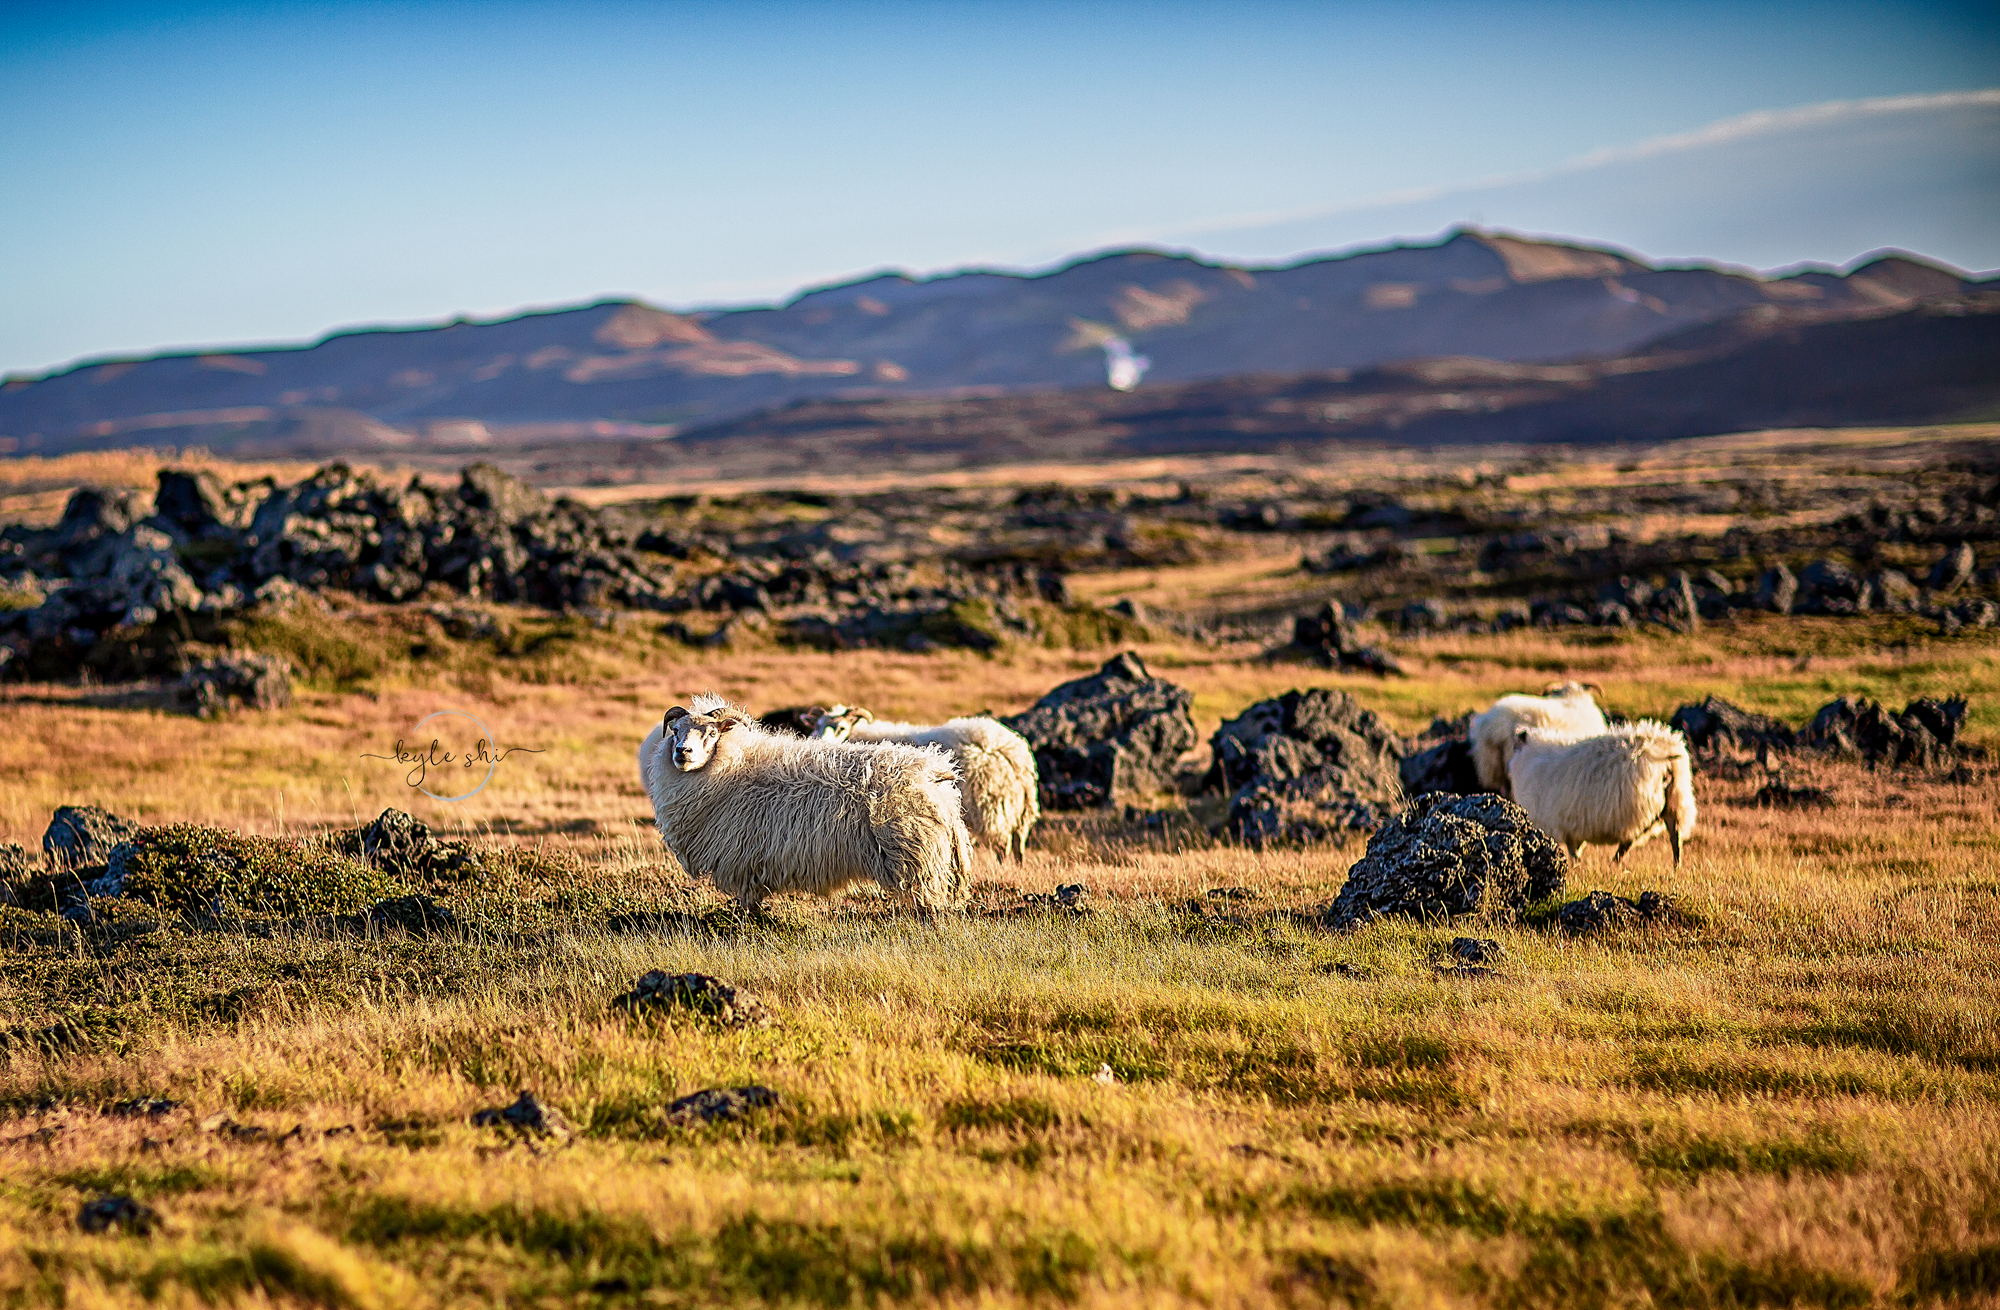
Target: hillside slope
624, 369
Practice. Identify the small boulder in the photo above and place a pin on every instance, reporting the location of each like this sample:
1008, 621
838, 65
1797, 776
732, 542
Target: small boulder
403, 847
720, 1105
1951, 572
1119, 731
83, 837
1600, 911
418, 916
732, 1007
235, 681
120, 1212
527, 1115
1307, 766
1777, 590
1448, 856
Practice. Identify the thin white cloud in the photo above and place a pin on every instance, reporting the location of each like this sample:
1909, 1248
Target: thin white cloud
1762, 122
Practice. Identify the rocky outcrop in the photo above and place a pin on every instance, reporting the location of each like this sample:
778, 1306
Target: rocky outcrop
83, 837
403, 847
1441, 760
1118, 732
1449, 856
1307, 766
1924, 736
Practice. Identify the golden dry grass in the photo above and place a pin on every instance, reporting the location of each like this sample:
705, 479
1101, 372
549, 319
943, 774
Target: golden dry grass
1790, 1101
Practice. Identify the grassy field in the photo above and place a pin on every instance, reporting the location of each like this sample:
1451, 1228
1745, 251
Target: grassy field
1788, 1101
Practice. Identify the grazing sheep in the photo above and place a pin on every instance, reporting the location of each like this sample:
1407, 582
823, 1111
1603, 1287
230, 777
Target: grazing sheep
1619, 788
1565, 709
762, 812
996, 769
799, 720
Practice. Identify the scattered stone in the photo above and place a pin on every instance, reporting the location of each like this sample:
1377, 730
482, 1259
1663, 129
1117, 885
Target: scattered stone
1780, 795
732, 1007
1475, 950
403, 847
1446, 766
1600, 911
222, 1125
1307, 766
1233, 894
1330, 638
1467, 972
418, 916
82, 837
122, 1212
720, 1105
1448, 856
1952, 572
527, 1115
1342, 969
235, 681
1941, 718
149, 1107
1119, 731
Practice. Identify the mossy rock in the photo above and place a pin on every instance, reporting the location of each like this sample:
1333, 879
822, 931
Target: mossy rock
190, 869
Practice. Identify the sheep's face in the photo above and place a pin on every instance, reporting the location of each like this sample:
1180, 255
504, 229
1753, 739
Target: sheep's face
691, 739
838, 723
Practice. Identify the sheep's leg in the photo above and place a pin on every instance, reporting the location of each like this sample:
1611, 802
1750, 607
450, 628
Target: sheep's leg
1575, 851
1674, 836
1620, 856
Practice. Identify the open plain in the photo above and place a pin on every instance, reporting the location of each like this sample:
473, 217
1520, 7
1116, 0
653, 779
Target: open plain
1175, 1088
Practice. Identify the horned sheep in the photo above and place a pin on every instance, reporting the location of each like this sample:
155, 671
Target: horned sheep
996, 769
1564, 709
761, 812
1619, 788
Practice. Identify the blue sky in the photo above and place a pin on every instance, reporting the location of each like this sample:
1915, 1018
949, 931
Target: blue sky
194, 173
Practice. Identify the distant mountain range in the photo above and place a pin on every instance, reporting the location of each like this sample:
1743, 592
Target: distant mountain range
618, 372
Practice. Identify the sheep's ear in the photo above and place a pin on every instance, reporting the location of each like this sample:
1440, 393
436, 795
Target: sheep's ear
675, 713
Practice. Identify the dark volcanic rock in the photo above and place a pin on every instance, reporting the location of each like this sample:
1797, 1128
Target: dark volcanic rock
1777, 590
1451, 855
526, 1115
108, 1212
1601, 910
82, 836
1860, 727
1951, 572
1330, 638
1117, 731
720, 1105
1715, 724
401, 845
1781, 795
235, 681
1445, 766
1306, 766
419, 916
1942, 718
697, 993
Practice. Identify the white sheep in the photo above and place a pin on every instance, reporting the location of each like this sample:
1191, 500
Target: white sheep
1619, 788
996, 769
762, 812
1564, 709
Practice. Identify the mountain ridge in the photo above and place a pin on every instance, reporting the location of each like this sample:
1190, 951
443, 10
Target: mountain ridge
621, 367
